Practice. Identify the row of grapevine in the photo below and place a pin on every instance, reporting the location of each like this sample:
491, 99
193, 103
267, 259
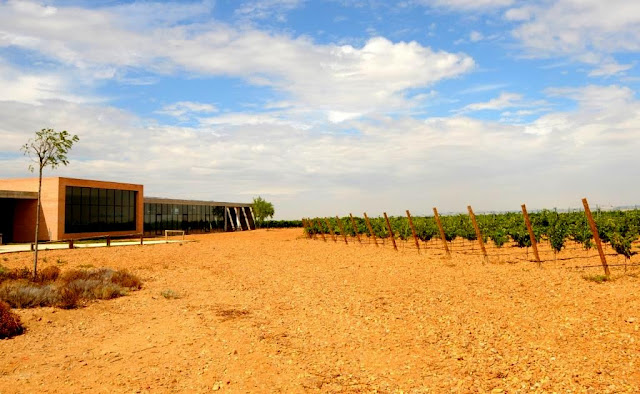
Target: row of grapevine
281, 224
617, 228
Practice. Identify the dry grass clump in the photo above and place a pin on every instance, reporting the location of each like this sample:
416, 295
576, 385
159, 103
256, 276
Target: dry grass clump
13, 274
170, 294
22, 293
10, 324
597, 278
48, 274
64, 289
126, 279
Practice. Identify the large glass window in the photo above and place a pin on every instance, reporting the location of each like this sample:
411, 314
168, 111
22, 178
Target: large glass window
94, 210
188, 217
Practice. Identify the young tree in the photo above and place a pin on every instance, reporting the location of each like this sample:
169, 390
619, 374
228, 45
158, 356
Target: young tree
262, 209
48, 149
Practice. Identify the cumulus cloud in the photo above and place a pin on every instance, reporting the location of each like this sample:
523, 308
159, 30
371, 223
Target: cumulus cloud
34, 88
550, 161
372, 77
594, 31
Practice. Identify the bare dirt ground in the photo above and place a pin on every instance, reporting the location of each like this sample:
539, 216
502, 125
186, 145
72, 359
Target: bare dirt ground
271, 311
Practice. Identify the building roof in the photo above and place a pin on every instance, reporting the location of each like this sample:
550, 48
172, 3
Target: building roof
18, 195
157, 200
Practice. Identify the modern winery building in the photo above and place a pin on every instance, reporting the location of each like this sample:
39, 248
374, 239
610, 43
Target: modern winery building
79, 208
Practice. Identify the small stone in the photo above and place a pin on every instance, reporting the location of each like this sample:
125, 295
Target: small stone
631, 320
217, 386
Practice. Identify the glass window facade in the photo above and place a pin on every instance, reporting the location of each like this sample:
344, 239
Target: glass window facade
93, 210
194, 218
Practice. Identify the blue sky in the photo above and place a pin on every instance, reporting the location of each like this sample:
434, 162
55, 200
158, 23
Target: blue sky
330, 107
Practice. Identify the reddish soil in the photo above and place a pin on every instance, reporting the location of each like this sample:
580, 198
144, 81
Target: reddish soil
271, 311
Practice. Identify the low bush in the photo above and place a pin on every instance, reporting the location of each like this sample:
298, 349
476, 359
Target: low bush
24, 294
15, 273
126, 279
48, 274
10, 324
68, 298
91, 289
64, 289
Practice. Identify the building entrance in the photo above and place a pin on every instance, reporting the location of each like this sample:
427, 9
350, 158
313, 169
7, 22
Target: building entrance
7, 209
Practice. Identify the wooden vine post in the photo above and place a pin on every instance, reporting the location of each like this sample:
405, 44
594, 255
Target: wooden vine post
532, 236
478, 233
413, 231
355, 228
366, 220
344, 235
393, 239
333, 235
442, 236
596, 236
321, 231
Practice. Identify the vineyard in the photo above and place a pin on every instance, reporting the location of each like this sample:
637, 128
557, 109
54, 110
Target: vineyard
503, 235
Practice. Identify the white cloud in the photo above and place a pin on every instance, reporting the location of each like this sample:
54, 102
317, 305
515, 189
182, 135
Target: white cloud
610, 68
595, 97
467, 5
263, 9
369, 78
505, 100
339, 116
588, 31
237, 156
34, 88
255, 119
475, 36
183, 108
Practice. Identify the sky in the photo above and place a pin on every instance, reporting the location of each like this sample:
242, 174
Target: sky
336, 106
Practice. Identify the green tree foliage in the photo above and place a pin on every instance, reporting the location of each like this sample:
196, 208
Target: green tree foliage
262, 210
48, 148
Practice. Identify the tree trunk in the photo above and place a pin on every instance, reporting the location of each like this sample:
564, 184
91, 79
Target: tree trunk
35, 253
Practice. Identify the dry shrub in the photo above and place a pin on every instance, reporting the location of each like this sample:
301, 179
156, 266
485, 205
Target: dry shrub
96, 289
68, 298
13, 274
10, 324
74, 274
48, 274
25, 294
126, 279
121, 278
68, 291
108, 291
